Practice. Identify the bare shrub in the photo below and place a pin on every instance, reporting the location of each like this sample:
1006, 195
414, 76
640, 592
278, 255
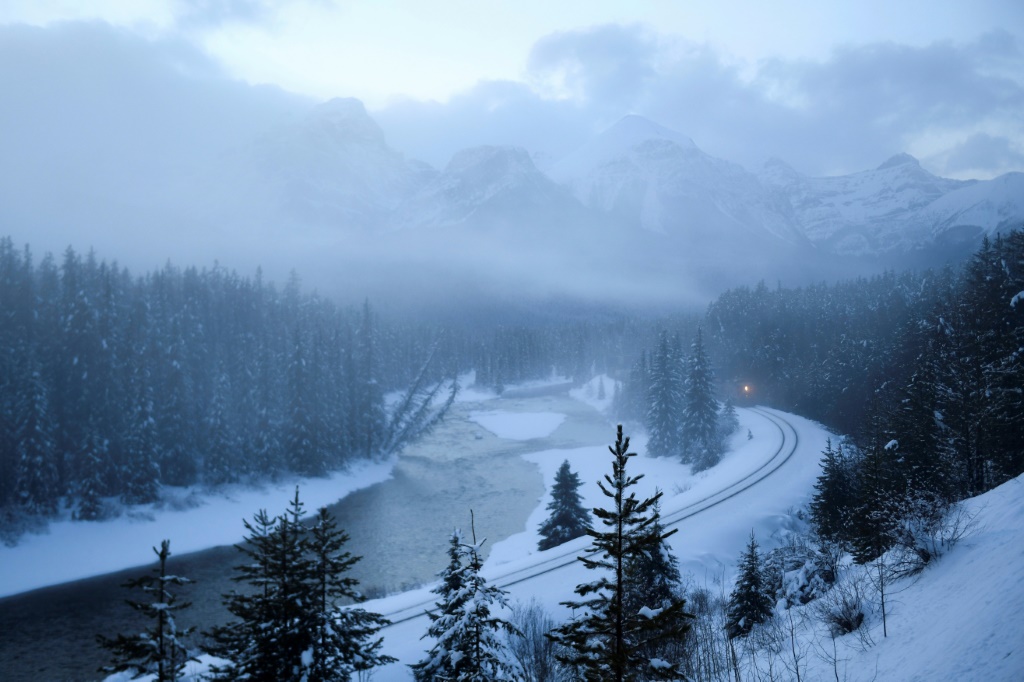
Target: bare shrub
534, 652
843, 608
929, 527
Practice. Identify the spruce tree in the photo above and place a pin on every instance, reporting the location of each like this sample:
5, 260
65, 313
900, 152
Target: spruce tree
700, 410
568, 520
609, 641
439, 663
342, 640
36, 474
664, 401
158, 650
291, 626
749, 604
467, 646
833, 503
244, 643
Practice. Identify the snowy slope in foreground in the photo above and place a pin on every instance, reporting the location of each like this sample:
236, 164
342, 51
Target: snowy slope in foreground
71, 550
961, 619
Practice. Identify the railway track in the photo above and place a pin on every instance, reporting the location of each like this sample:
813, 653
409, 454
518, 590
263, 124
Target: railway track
790, 440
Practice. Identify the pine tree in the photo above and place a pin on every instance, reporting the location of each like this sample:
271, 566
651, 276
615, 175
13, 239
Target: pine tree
653, 581
244, 642
833, 503
158, 650
568, 520
343, 641
467, 645
290, 626
37, 480
609, 642
749, 604
700, 410
664, 401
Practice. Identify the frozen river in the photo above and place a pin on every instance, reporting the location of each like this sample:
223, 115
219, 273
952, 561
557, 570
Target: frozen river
401, 526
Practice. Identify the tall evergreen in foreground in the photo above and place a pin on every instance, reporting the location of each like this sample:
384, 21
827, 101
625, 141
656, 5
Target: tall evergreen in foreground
749, 604
609, 641
343, 640
158, 650
467, 646
290, 626
568, 520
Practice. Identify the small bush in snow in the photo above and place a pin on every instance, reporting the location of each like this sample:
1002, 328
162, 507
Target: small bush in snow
796, 574
929, 527
843, 608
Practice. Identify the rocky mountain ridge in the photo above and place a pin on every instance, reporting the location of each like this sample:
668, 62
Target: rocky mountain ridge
335, 168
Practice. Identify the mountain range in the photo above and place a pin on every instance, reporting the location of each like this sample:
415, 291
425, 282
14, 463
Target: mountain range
663, 206
638, 212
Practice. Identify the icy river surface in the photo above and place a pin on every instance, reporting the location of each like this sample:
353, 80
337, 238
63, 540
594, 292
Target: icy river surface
472, 461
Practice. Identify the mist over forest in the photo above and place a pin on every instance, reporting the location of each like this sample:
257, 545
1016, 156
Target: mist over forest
425, 271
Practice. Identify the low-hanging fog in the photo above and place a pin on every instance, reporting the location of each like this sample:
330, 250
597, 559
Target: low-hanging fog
642, 178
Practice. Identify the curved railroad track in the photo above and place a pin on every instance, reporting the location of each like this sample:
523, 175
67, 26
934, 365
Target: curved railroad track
787, 447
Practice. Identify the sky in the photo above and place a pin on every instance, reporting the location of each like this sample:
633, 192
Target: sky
829, 87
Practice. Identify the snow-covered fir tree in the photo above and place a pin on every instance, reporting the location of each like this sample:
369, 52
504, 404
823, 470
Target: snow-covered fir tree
220, 445
700, 410
749, 603
653, 581
608, 641
291, 627
342, 640
832, 505
159, 650
37, 482
468, 646
367, 392
569, 519
665, 400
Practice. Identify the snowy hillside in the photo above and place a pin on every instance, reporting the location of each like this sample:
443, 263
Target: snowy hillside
485, 186
898, 207
654, 178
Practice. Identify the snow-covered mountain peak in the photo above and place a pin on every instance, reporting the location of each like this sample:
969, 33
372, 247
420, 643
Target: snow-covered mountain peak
777, 173
900, 159
488, 184
618, 141
488, 163
344, 120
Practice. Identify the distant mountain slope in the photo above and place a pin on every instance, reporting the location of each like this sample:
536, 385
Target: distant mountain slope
334, 168
650, 177
898, 207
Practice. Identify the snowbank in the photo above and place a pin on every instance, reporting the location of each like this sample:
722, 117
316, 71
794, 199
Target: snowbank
193, 520
518, 425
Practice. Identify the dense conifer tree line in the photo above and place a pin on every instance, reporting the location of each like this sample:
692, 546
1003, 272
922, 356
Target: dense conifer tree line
673, 395
922, 371
111, 385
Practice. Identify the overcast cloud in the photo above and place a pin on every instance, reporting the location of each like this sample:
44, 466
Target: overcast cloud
849, 112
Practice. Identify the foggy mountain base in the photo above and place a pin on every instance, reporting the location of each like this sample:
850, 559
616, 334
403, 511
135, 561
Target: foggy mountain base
201, 169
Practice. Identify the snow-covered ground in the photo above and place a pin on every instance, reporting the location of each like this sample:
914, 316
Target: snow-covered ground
518, 425
958, 621
190, 518
706, 544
